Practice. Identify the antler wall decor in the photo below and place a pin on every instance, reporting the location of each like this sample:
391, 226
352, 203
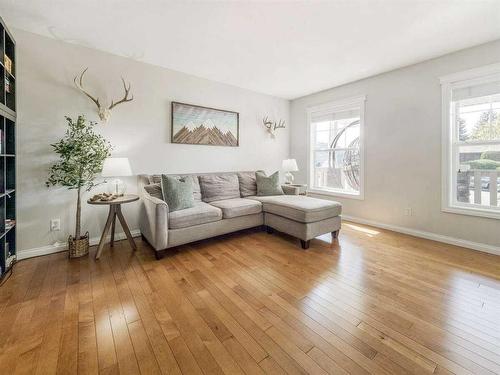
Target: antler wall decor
103, 112
271, 126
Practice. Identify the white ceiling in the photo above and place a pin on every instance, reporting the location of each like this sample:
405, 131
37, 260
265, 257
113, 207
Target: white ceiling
283, 48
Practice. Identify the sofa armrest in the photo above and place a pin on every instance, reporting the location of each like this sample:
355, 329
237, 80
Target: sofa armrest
290, 190
154, 221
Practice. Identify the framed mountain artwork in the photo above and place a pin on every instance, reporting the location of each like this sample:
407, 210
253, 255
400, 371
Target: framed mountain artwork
196, 125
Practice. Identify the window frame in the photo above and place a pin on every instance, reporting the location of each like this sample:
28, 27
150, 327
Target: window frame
449, 140
357, 102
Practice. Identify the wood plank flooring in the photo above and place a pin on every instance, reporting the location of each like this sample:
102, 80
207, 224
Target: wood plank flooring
253, 303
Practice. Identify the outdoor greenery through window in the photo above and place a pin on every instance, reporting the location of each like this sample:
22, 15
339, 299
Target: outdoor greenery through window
474, 163
336, 149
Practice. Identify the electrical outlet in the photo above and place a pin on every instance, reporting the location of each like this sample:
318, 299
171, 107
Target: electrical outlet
408, 211
55, 224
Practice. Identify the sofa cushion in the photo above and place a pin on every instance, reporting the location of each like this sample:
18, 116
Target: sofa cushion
200, 213
268, 185
177, 192
238, 207
261, 199
156, 179
218, 187
300, 208
248, 186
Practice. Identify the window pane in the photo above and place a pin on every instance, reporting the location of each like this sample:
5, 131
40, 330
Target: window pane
473, 146
322, 126
477, 118
322, 139
336, 134
336, 148
478, 175
337, 170
349, 136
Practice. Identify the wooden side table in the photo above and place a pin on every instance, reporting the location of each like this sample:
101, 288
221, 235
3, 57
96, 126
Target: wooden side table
115, 209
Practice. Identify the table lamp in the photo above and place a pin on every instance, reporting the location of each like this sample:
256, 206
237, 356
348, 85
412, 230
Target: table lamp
116, 167
289, 166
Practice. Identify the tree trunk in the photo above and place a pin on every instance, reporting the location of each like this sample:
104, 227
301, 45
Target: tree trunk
78, 215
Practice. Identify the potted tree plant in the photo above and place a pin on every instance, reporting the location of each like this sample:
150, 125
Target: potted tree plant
81, 156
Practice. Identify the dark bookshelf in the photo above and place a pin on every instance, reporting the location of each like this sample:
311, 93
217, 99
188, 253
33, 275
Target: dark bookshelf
7, 148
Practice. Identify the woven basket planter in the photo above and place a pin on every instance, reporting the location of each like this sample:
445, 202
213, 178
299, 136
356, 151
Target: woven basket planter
78, 248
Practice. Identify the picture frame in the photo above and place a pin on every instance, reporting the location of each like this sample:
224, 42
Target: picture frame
199, 125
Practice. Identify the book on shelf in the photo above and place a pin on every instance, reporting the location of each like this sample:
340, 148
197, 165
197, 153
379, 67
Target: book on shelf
8, 256
9, 223
7, 63
7, 85
9, 261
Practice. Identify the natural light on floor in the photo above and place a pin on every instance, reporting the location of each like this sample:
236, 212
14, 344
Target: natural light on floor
368, 232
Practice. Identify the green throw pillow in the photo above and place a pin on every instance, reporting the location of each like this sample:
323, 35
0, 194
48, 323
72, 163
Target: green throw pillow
177, 192
268, 185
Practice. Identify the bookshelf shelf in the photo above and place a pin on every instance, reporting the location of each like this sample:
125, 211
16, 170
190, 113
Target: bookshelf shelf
7, 149
7, 230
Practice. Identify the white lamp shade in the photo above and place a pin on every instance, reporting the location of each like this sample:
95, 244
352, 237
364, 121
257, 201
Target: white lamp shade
116, 167
289, 165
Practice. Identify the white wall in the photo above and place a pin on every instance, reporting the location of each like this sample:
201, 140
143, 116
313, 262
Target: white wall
403, 146
139, 130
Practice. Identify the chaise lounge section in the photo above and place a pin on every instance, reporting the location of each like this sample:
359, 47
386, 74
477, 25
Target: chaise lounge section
227, 202
300, 216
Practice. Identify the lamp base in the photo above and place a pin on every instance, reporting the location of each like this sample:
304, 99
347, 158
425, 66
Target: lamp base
288, 178
116, 187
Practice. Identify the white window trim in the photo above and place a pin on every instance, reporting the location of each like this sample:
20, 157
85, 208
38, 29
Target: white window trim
338, 105
456, 80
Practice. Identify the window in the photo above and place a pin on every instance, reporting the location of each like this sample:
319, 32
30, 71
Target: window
336, 158
471, 142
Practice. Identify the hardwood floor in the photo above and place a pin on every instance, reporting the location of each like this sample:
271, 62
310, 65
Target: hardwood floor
254, 303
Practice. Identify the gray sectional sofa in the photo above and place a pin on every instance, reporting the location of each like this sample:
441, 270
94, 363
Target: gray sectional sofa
227, 202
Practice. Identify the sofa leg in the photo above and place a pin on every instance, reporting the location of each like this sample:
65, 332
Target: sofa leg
335, 234
269, 230
159, 254
305, 244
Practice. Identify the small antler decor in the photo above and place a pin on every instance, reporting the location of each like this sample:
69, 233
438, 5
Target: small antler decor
271, 126
103, 112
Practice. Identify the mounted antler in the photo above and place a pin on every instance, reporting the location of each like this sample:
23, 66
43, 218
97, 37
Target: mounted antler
103, 112
280, 125
268, 124
79, 85
271, 126
125, 97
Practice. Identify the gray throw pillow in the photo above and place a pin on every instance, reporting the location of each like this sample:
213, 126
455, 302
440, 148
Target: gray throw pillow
154, 190
268, 185
217, 187
178, 193
248, 187
156, 179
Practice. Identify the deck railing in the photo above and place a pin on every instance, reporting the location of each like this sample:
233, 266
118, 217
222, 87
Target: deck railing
483, 183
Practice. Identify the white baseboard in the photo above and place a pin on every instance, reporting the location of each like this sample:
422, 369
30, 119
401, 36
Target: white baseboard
428, 235
58, 247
